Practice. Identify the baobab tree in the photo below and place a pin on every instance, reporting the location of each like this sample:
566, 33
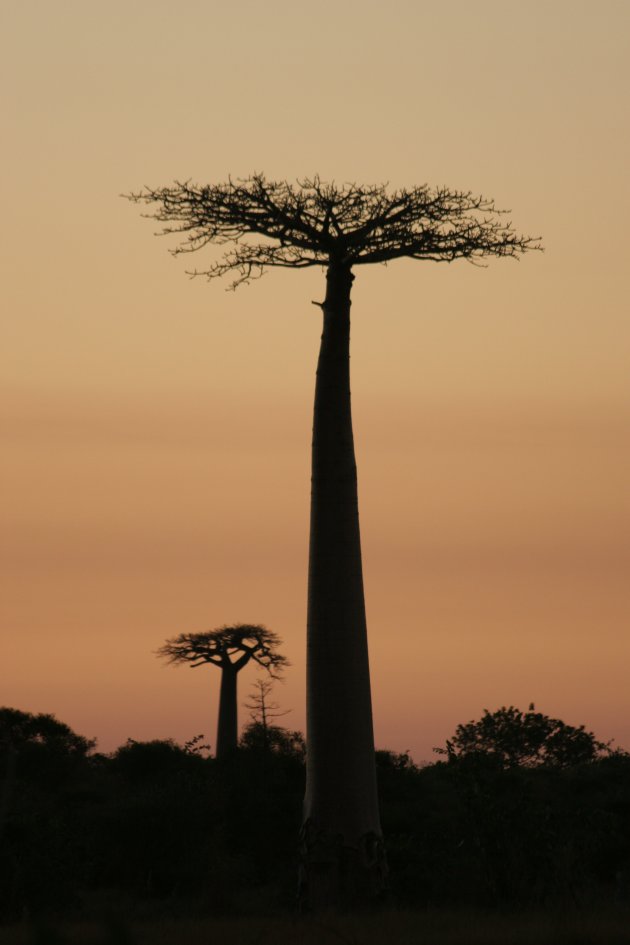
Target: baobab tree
231, 649
261, 225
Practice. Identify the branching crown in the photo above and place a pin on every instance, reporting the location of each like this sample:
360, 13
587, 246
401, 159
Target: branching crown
269, 224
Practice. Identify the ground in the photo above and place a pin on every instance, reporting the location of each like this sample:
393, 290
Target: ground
562, 927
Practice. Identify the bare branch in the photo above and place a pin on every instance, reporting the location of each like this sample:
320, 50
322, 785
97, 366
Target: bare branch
230, 645
267, 224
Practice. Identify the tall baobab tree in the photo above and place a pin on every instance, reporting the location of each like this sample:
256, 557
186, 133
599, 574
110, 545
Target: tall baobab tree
263, 224
231, 649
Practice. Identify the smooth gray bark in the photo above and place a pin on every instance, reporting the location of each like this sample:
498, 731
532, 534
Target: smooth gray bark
343, 859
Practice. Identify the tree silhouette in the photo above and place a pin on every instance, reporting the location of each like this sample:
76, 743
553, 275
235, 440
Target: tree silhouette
230, 648
262, 712
510, 738
264, 224
37, 743
42, 732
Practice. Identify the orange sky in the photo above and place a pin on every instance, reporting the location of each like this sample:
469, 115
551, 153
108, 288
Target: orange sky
156, 430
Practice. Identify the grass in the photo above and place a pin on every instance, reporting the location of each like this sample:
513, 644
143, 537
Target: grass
572, 927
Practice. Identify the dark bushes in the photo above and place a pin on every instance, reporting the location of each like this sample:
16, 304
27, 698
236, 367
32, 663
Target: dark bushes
155, 822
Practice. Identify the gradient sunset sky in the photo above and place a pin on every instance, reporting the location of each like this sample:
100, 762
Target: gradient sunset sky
156, 430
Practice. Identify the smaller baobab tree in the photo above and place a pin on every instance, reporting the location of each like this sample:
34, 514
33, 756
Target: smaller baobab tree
231, 649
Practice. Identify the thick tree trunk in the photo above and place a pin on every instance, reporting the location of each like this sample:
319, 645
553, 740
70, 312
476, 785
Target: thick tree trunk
227, 724
342, 851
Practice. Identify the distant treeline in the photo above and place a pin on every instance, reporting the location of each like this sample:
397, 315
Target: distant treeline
159, 823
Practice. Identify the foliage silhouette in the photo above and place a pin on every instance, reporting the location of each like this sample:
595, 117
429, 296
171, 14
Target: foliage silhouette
139, 761
231, 649
265, 224
274, 739
153, 827
39, 742
25, 730
509, 737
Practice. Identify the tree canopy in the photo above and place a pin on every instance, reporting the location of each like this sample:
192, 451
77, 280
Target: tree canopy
227, 646
27, 731
510, 737
312, 223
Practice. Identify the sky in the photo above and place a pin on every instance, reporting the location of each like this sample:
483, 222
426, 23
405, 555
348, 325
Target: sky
156, 429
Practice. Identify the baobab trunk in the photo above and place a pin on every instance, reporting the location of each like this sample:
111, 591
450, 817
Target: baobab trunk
342, 850
227, 724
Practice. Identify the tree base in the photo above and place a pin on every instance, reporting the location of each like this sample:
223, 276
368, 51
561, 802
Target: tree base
336, 875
